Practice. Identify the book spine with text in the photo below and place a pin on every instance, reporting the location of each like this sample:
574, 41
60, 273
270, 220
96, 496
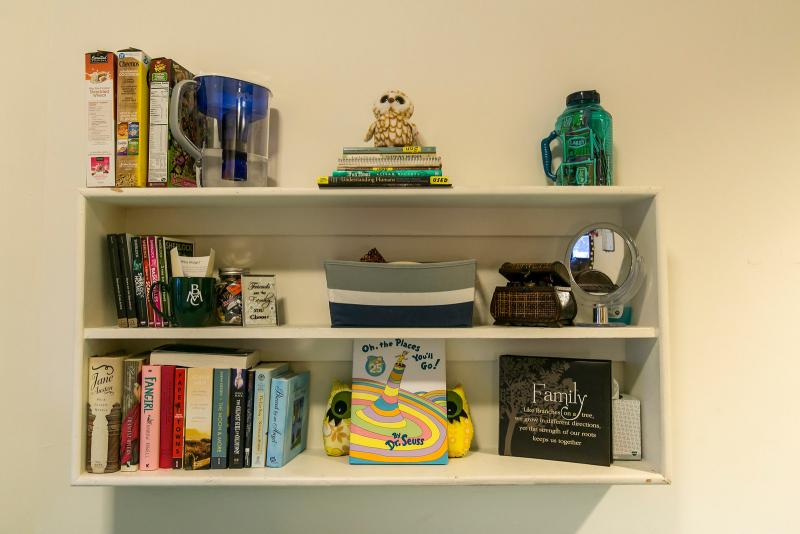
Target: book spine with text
260, 418
104, 414
151, 417
389, 150
383, 181
276, 440
178, 408
131, 413
248, 420
167, 416
147, 281
152, 255
127, 279
390, 172
138, 279
197, 422
238, 408
162, 275
116, 281
219, 419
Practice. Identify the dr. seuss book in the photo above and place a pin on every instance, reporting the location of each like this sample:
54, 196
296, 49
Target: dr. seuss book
104, 413
288, 418
101, 96
151, 418
132, 118
555, 409
263, 375
197, 422
399, 407
131, 413
169, 164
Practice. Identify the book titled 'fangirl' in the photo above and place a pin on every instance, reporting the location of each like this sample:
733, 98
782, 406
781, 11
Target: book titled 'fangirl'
555, 409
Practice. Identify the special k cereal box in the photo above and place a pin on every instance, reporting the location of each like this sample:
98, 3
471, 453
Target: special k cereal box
132, 118
101, 79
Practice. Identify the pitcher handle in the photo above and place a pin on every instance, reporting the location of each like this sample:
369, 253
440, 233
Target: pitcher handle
547, 155
174, 119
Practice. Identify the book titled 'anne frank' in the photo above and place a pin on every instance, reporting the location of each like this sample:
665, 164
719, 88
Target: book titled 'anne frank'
555, 409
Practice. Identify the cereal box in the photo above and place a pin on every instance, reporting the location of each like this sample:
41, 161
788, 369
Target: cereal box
101, 78
132, 118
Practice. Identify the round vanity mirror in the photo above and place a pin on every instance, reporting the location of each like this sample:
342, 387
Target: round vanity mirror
605, 269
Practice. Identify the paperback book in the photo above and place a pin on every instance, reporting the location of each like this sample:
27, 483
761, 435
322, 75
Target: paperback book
167, 416
151, 418
219, 418
555, 409
131, 412
104, 413
399, 407
238, 409
288, 418
179, 409
197, 433
263, 375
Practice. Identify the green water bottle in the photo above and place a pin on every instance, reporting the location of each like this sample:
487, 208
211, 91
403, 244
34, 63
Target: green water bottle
584, 130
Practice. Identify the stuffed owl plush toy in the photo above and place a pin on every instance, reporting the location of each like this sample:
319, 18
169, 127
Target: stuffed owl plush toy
459, 423
392, 112
336, 425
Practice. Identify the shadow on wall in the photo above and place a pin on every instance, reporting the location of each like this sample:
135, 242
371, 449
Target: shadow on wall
356, 510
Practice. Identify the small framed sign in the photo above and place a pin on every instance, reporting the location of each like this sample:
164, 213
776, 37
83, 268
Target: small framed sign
260, 300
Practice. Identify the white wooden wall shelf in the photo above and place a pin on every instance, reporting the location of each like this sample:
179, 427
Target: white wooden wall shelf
290, 231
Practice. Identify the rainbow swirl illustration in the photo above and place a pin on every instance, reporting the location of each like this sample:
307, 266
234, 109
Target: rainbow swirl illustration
392, 425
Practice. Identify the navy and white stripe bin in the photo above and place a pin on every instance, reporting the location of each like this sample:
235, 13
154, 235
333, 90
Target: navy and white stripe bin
401, 294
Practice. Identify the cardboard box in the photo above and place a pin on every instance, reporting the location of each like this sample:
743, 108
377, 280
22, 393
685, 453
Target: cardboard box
132, 118
101, 78
169, 164
627, 428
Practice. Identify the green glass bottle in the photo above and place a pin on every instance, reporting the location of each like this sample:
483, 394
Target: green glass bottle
584, 130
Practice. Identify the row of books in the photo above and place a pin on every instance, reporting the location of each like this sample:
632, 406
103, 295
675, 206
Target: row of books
188, 407
407, 166
136, 263
129, 143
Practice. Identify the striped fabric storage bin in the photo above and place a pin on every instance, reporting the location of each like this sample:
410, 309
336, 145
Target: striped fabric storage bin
401, 294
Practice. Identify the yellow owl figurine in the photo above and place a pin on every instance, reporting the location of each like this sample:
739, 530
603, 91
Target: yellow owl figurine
459, 423
336, 424
392, 127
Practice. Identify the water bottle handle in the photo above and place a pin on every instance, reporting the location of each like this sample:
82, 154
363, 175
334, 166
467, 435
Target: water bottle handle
175, 123
547, 155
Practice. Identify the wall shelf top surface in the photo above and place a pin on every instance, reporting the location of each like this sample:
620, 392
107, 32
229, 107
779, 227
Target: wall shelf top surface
314, 468
498, 196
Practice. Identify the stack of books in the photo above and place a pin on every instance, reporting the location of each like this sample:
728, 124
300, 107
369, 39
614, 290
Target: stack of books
401, 166
190, 407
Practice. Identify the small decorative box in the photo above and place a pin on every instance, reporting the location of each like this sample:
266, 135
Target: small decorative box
537, 294
260, 300
627, 428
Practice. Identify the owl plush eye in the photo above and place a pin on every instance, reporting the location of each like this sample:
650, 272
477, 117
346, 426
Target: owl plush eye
455, 408
339, 407
384, 99
400, 100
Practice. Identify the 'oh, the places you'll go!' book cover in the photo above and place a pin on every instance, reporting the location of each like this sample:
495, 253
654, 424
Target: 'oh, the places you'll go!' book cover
555, 409
399, 408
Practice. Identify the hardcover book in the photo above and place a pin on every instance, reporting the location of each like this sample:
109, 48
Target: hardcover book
288, 418
399, 407
197, 423
263, 375
179, 409
151, 418
116, 281
137, 268
555, 409
219, 419
182, 355
167, 416
389, 150
104, 413
127, 280
238, 409
131, 413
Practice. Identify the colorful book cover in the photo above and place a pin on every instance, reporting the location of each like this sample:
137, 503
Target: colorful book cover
169, 164
137, 268
104, 413
152, 256
264, 374
151, 418
390, 172
127, 280
238, 408
162, 275
167, 416
399, 407
179, 409
219, 419
116, 281
147, 281
248, 420
131, 413
288, 418
197, 422
555, 409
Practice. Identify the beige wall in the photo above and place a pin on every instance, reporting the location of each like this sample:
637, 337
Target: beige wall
705, 102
